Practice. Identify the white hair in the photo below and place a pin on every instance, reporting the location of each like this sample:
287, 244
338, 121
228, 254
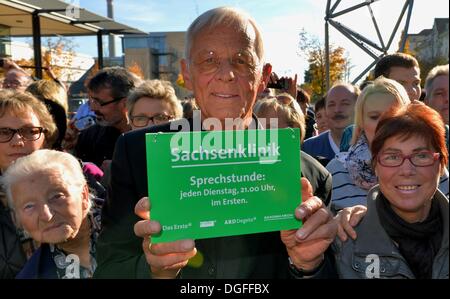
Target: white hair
43, 160
227, 16
439, 70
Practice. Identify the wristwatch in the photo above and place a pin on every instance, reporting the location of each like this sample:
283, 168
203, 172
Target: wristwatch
298, 272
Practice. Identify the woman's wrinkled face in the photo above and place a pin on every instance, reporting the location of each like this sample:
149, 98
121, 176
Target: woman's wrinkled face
408, 188
374, 106
18, 146
48, 208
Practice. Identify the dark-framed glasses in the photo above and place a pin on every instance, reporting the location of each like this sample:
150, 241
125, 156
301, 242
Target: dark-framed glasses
419, 159
27, 133
94, 101
142, 120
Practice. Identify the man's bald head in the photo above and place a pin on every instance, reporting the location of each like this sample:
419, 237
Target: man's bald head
17, 80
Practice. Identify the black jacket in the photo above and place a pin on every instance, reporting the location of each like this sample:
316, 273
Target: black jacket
96, 144
12, 257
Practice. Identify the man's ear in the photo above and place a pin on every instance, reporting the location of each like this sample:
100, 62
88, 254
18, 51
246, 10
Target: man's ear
267, 70
185, 73
85, 197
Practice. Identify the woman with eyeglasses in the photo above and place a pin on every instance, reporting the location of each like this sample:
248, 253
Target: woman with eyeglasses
25, 126
405, 232
151, 103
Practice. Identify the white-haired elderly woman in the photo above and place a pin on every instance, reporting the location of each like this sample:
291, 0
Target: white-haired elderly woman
51, 201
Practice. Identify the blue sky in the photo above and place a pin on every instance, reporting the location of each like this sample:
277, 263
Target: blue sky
280, 22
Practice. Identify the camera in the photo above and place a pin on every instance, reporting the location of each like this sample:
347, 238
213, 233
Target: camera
85, 122
2, 62
279, 84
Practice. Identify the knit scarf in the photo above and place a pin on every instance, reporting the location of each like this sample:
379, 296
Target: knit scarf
417, 242
358, 163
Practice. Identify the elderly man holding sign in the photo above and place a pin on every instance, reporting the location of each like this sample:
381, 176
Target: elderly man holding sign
224, 67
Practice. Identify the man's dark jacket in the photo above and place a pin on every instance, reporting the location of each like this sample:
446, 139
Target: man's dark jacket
119, 251
96, 144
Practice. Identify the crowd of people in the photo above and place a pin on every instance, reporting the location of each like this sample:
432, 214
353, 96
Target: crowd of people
374, 158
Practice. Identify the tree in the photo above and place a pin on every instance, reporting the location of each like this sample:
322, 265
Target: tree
136, 69
59, 55
315, 76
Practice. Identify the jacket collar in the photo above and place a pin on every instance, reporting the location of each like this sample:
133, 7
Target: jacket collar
372, 237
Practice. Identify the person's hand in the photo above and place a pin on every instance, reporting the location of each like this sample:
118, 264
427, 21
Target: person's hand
291, 86
347, 219
306, 246
105, 165
165, 259
9, 64
71, 137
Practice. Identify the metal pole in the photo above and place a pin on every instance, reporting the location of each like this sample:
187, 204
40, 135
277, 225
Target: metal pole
327, 57
396, 25
356, 35
350, 37
405, 30
365, 71
380, 38
368, 2
37, 44
100, 49
335, 5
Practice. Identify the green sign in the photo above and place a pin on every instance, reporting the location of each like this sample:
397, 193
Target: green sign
223, 183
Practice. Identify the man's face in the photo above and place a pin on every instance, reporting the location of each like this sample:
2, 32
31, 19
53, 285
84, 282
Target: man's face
321, 121
438, 97
409, 78
224, 72
16, 80
110, 114
339, 108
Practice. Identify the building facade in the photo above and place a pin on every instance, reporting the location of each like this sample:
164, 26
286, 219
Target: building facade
158, 55
431, 44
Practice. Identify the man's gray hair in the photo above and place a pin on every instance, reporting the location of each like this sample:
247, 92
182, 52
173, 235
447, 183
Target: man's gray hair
227, 16
439, 70
43, 160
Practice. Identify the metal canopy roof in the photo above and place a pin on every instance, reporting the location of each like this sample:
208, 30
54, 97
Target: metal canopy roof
54, 20
39, 18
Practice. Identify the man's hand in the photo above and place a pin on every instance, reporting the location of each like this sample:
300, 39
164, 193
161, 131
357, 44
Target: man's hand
347, 219
165, 259
306, 246
9, 64
71, 137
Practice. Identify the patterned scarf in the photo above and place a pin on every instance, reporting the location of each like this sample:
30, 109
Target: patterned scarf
358, 163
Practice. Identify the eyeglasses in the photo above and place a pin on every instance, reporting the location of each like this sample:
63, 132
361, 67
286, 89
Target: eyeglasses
419, 159
140, 121
242, 63
27, 133
13, 84
94, 101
